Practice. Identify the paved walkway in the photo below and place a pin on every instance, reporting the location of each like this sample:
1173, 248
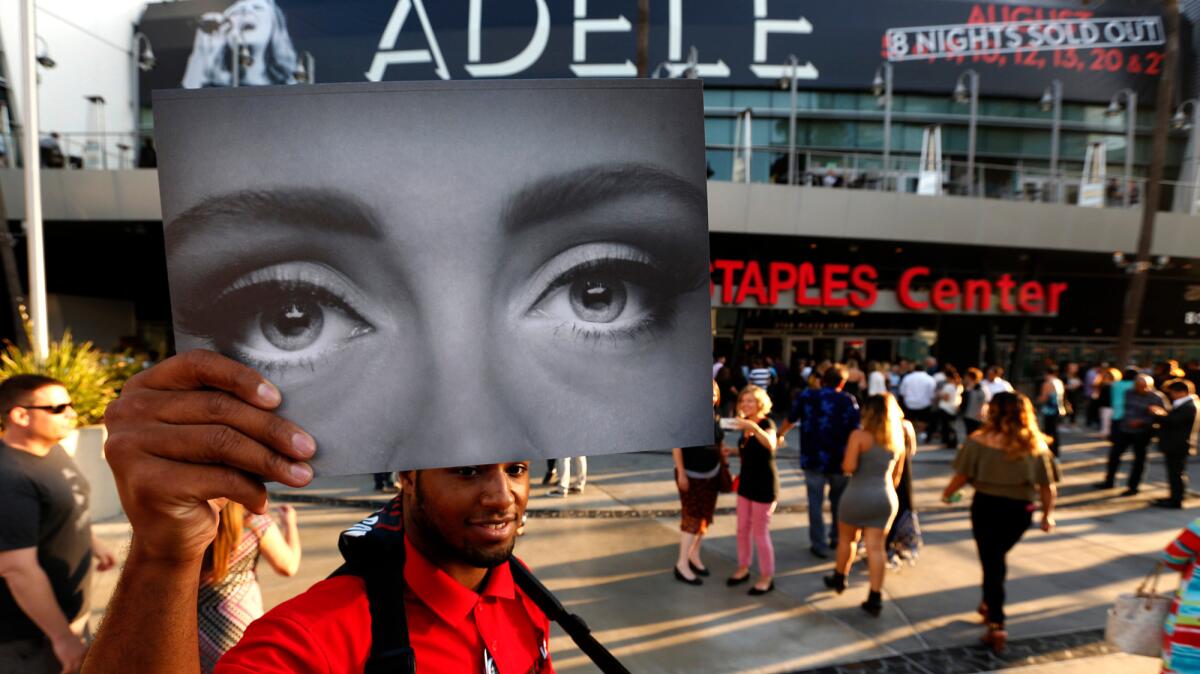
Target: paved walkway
608, 553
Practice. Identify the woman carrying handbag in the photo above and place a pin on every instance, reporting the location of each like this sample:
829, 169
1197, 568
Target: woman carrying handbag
1181, 631
700, 474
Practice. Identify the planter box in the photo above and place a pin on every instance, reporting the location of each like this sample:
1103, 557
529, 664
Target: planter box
86, 445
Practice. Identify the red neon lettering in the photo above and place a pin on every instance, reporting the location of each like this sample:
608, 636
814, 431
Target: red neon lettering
808, 277
782, 276
830, 284
977, 295
944, 291
904, 289
727, 268
1005, 285
752, 284
1030, 297
863, 279
1056, 291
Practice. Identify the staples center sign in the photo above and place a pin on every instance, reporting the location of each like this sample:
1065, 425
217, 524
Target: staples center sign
786, 285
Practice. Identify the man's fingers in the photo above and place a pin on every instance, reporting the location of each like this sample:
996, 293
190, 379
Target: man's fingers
209, 444
187, 408
200, 484
208, 369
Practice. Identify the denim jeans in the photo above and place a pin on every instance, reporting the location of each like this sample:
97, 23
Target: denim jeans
816, 484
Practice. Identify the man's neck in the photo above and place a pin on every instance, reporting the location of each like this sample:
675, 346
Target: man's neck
27, 444
470, 577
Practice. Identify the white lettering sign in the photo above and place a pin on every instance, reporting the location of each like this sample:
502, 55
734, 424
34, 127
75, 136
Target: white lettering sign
980, 39
519, 63
583, 26
764, 27
388, 54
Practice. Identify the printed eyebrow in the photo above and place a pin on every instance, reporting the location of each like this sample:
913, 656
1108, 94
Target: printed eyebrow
307, 210
560, 196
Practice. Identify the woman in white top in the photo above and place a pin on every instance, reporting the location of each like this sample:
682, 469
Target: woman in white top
877, 381
949, 403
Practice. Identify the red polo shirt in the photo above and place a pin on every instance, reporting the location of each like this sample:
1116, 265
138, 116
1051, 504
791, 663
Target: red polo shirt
327, 629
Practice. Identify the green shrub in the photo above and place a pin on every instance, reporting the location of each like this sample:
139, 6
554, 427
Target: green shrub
92, 377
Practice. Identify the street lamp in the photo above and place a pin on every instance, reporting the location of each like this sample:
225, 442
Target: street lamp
43, 54
1052, 101
1181, 121
966, 90
881, 87
1130, 108
143, 62
794, 64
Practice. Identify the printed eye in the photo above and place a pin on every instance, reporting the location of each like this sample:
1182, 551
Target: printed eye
604, 290
288, 315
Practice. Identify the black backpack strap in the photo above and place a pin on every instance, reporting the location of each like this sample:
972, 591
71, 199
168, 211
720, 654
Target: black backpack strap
391, 652
572, 624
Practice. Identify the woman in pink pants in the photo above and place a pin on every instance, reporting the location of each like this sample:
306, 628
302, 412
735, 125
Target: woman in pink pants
758, 489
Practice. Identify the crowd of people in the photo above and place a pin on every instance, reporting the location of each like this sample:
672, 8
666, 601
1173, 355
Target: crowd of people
859, 428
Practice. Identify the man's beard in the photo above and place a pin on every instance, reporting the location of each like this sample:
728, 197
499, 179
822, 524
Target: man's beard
482, 559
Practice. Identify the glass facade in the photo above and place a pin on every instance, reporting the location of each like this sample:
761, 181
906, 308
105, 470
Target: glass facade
847, 127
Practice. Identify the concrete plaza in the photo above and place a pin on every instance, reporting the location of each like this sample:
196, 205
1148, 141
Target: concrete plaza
608, 554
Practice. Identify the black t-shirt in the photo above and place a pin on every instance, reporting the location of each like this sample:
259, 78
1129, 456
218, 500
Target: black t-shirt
704, 459
44, 504
759, 479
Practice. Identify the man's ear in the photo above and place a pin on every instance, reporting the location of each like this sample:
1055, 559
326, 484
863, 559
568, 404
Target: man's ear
408, 481
17, 416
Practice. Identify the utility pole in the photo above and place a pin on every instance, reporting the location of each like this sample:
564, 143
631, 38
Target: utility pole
643, 38
1140, 270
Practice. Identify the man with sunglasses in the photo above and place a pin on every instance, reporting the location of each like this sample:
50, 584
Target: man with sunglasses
46, 542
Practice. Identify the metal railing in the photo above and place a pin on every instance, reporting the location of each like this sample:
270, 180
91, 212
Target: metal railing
82, 150
1013, 181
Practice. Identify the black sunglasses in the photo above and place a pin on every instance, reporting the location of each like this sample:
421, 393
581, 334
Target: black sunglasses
52, 409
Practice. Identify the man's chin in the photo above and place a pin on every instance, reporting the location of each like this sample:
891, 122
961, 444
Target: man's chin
487, 558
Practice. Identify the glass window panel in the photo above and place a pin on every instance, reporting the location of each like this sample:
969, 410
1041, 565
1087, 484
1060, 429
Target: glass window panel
934, 104
718, 130
718, 98
870, 135
720, 162
751, 98
831, 134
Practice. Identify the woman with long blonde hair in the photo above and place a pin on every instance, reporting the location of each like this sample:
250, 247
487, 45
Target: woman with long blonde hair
758, 489
1010, 465
229, 598
874, 460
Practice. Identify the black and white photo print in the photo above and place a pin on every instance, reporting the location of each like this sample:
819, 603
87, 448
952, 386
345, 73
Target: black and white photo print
449, 273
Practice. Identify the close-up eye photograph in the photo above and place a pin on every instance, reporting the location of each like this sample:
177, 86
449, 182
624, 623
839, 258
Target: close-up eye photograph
370, 336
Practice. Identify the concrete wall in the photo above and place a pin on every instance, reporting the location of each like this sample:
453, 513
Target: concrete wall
866, 214
132, 195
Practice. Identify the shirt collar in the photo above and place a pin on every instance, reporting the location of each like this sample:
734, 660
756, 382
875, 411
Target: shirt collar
447, 598
1180, 402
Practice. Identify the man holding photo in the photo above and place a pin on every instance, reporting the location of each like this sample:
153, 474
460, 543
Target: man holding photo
200, 428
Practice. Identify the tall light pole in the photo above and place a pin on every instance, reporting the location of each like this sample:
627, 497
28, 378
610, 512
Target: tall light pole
1181, 121
1052, 101
33, 185
881, 87
1130, 108
1158, 153
966, 90
795, 64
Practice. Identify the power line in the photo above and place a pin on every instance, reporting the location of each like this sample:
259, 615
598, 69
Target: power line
85, 31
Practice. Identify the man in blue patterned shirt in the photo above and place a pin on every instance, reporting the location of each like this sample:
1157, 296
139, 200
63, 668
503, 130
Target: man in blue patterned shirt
826, 416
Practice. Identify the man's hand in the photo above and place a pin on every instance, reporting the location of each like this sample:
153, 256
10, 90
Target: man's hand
105, 557
1048, 523
69, 649
188, 434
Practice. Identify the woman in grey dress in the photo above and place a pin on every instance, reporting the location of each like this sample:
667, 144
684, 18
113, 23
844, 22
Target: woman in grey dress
875, 461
